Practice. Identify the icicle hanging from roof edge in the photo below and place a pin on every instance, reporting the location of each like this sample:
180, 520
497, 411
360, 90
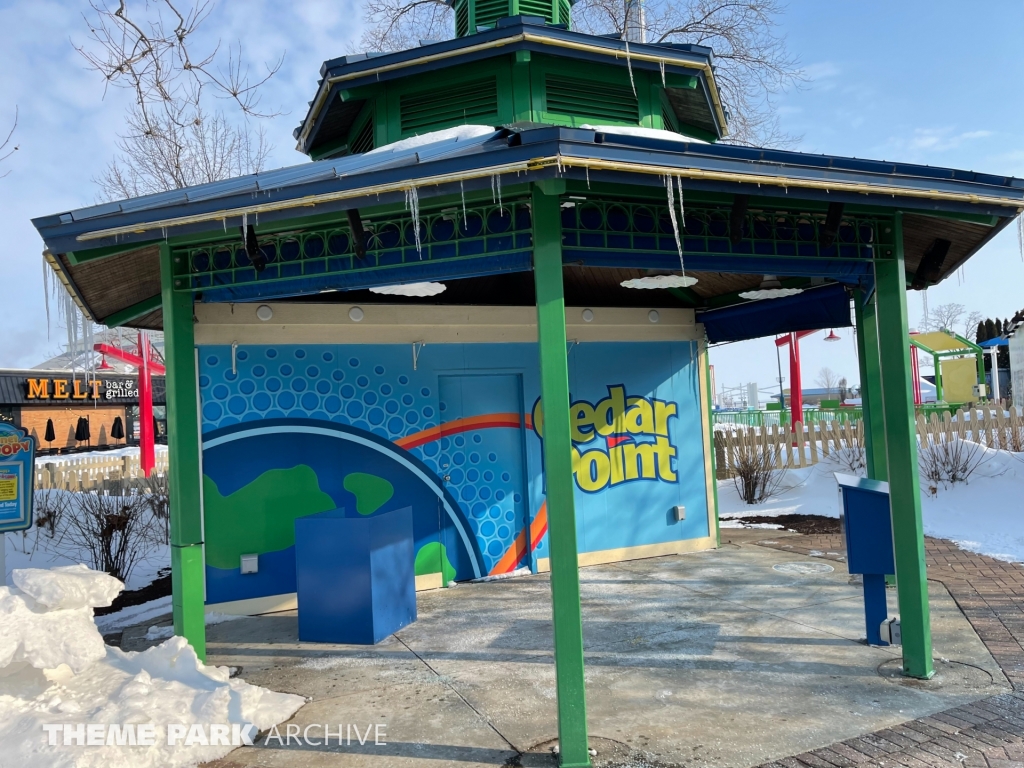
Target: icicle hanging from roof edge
661, 64
412, 203
46, 294
1020, 235
629, 66
497, 183
462, 191
672, 215
682, 223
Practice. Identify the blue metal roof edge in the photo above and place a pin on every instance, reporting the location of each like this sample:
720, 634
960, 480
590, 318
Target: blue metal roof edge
60, 231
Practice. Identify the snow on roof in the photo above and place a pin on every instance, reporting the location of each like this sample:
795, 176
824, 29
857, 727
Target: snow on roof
647, 133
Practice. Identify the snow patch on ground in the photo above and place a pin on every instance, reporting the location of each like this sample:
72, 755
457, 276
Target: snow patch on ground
984, 515
55, 669
133, 614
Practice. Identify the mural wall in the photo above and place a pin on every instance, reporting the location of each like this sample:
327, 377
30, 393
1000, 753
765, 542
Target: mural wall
292, 430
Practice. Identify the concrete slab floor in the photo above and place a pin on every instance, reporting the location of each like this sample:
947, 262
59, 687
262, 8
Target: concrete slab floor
712, 658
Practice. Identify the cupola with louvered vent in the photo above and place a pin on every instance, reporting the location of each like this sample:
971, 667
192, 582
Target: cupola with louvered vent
474, 15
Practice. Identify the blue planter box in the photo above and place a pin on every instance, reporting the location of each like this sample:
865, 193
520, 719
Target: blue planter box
354, 576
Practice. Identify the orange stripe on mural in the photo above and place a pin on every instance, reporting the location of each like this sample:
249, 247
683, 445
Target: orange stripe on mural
515, 552
487, 421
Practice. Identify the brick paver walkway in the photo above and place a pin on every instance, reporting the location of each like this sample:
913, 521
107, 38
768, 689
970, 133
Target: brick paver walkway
987, 733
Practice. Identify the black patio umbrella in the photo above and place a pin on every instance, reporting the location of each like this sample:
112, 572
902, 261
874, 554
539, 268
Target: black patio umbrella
49, 436
117, 429
82, 430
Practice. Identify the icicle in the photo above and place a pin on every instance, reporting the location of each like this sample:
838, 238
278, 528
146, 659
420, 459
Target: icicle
462, 191
245, 223
1020, 236
497, 180
662, 65
588, 176
225, 223
672, 216
46, 295
492, 189
682, 220
412, 203
163, 232
629, 66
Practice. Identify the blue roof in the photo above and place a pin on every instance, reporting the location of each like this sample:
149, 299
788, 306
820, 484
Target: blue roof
998, 341
383, 175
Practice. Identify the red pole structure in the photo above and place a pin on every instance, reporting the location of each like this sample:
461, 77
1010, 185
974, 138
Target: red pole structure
147, 455
796, 393
915, 368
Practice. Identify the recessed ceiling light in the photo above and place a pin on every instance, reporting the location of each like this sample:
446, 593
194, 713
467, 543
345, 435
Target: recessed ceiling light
264, 313
660, 281
410, 289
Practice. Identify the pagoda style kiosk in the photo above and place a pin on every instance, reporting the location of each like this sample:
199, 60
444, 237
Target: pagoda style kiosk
489, 298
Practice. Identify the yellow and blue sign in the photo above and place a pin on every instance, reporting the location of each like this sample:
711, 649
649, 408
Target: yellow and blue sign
618, 439
17, 460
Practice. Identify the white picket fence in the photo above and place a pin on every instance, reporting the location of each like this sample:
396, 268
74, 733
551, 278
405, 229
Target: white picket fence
806, 445
93, 472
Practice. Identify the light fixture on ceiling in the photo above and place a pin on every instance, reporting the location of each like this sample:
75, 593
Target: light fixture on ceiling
832, 336
410, 289
770, 288
104, 365
660, 281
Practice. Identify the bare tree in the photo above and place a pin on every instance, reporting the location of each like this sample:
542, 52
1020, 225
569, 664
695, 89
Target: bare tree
6, 150
173, 137
971, 326
946, 316
177, 155
753, 62
828, 380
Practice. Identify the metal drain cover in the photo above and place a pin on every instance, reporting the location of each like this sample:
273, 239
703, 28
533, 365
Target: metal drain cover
803, 568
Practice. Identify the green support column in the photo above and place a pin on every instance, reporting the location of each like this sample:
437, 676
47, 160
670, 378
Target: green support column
870, 385
558, 478
183, 458
901, 448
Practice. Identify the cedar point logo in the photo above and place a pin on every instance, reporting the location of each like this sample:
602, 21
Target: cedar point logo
618, 439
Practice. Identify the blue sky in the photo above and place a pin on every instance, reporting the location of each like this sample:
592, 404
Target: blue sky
927, 82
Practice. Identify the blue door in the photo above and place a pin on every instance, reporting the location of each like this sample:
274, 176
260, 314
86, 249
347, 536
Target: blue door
482, 461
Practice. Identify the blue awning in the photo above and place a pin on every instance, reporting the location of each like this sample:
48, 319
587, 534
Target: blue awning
998, 341
812, 310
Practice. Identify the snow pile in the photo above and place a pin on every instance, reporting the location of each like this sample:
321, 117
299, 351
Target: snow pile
46, 620
983, 515
56, 674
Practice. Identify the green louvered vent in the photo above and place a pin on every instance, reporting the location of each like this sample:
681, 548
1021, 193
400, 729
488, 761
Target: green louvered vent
363, 141
475, 101
564, 12
536, 8
591, 100
668, 120
489, 11
461, 19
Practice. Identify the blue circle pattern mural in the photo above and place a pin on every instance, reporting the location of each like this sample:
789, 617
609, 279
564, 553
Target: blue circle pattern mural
370, 392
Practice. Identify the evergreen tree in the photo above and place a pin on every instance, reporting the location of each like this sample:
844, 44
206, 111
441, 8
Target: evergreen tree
979, 335
990, 329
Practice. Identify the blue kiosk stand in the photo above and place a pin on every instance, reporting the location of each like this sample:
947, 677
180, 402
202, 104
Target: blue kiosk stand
355, 576
867, 526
